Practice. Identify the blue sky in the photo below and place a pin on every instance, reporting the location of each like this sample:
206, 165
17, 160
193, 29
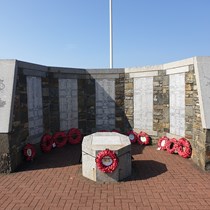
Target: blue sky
75, 33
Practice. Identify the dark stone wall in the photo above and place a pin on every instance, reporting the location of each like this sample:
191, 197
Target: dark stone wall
86, 105
128, 102
123, 103
5, 159
46, 104
53, 103
207, 165
161, 104
19, 135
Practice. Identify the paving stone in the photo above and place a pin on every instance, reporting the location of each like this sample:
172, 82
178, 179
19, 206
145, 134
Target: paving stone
159, 181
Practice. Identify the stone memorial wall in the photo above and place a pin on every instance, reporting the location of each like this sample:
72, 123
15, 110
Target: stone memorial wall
169, 99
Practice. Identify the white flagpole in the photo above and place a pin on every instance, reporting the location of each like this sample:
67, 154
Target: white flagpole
111, 34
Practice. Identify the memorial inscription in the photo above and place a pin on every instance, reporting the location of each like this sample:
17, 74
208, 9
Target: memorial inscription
177, 104
68, 103
143, 103
35, 112
105, 104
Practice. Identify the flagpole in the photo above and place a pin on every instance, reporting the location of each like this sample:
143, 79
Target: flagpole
111, 34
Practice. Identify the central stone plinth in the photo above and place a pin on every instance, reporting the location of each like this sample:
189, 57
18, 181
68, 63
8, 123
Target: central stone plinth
95, 144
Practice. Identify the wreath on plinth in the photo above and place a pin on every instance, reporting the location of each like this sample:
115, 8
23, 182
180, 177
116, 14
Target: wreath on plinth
106, 161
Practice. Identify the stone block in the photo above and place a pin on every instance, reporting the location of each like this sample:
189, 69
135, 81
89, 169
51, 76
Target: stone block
100, 141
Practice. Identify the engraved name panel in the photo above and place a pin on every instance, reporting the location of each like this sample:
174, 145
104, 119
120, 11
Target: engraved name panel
143, 103
68, 104
177, 104
35, 109
105, 104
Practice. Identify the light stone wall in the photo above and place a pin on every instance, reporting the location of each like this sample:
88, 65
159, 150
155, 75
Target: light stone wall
177, 104
35, 110
68, 104
7, 75
105, 104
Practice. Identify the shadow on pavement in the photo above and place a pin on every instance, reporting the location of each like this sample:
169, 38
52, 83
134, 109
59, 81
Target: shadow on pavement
145, 169
58, 157
137, 149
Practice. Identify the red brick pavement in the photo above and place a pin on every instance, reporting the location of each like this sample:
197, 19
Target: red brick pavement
54, 181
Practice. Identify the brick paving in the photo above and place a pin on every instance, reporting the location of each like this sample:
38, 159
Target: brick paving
54, 181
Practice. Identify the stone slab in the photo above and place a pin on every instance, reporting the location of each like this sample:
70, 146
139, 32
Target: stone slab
105, 104
35, 106
7, 85
97, 142
68, 104
144, 74
177, 104
178, 70
202, 65
143, 103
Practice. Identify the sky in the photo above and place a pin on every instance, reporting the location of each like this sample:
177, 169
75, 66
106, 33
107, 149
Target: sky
75, 33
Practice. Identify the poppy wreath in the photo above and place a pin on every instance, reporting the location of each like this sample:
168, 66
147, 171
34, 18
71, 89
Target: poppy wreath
133, 136
46, 143
143, 138
184, 148
60, 139
106, 161
74, 136
29, 152
162, 142
172, 146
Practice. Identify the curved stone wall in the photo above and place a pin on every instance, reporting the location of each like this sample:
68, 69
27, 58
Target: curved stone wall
170, 99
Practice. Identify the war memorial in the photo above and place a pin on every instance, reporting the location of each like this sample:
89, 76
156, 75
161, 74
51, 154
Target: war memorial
169, 100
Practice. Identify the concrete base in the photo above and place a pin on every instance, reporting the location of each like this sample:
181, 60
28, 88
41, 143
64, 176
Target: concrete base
97, 142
